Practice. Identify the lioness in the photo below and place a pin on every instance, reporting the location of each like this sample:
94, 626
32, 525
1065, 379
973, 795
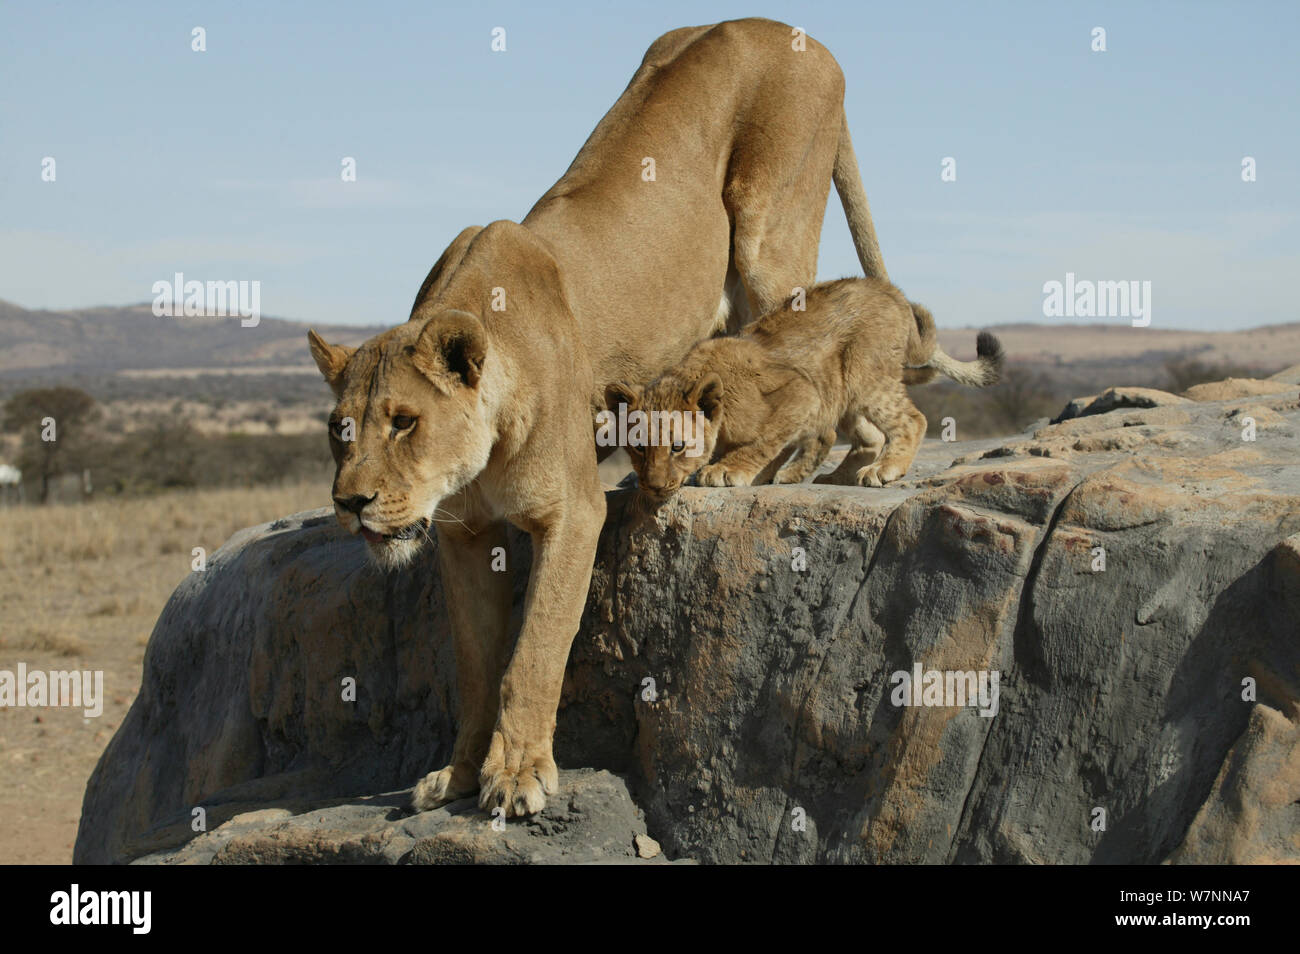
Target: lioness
697, 200
838, 358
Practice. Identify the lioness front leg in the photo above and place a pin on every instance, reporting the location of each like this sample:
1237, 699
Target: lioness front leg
520, 769
478, 603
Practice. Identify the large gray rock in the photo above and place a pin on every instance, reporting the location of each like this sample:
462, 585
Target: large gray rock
770, 621
591, 820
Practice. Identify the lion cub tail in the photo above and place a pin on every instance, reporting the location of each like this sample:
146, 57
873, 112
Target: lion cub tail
925, 358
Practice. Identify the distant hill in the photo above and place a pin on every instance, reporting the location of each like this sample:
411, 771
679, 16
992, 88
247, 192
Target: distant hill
107, 339
1121, 344
96, 341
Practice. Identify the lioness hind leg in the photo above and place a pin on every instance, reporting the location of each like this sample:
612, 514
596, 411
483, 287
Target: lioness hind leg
904, 428
809, 455
776, 192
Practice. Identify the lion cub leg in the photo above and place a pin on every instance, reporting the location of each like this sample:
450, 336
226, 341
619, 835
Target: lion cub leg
778, 423
768, 474
868, 442
809, 454
893, 412
740, 466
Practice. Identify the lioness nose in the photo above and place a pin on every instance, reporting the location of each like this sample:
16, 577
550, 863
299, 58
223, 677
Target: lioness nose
356, 503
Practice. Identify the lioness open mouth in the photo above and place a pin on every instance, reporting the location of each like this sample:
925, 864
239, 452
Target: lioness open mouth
406, 533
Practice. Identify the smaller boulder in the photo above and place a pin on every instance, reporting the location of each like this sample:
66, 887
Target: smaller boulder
1230, 388
1113, 399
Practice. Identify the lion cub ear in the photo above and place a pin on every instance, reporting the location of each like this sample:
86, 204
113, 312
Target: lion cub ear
707, 396
620, 393
331, 359
451, 344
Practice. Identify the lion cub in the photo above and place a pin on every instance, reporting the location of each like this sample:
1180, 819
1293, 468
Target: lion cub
790, 381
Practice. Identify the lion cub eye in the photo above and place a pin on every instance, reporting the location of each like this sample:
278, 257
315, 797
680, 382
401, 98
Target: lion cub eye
403, 422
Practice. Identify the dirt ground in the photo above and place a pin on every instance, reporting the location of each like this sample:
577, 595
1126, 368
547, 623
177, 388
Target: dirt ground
80, 588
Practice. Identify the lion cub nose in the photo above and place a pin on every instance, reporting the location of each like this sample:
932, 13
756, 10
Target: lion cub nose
356, 503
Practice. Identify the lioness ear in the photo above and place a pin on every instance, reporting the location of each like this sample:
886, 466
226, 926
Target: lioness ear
707, 396
619, 393
451, 342
331, 359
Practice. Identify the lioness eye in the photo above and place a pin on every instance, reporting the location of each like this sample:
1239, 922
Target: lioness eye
403, 422
678, 447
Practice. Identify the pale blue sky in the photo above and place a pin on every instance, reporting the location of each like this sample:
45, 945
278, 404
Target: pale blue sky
225, 164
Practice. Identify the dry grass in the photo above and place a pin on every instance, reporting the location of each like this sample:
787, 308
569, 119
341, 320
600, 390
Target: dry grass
73, 572
81, 585
65, 536
56, 640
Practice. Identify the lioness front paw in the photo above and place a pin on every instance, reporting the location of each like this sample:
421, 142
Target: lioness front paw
443, 786
516, 779
718, 475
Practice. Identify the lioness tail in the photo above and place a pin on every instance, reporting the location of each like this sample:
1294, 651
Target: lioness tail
848, 183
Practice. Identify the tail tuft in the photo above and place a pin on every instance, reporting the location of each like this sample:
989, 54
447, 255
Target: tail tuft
983, 372
990, 354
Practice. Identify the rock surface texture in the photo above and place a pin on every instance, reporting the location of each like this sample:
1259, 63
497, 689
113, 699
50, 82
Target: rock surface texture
730, 693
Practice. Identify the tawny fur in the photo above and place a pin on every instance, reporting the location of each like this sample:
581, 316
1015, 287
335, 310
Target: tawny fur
518, 328
789, 383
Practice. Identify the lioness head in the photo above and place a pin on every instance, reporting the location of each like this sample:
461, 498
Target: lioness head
672, 429
409, 428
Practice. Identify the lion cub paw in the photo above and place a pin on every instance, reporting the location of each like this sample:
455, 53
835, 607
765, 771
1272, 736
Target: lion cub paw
520, 787
443, 786
877, 476
718, 475
793, 474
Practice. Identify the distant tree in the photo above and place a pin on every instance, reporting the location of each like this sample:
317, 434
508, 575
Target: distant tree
1185, 373
64, 414
1021, 396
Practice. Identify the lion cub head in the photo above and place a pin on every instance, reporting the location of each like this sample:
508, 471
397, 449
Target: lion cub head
409, 428
671, 429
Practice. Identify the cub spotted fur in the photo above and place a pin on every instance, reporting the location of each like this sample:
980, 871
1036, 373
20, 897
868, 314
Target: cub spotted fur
790, 381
